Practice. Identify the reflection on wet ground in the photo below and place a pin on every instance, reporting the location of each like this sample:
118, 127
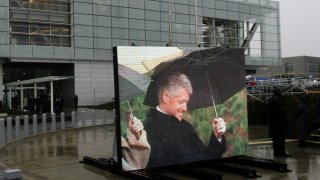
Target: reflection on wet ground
56, 156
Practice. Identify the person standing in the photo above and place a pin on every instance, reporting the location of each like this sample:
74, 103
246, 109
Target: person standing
301, 121
278, 123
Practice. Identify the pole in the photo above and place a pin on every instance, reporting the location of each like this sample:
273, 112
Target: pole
21, 98
10, 98
51, 97
170, 24
2, 132
196, 23
94, 92
34, 96
211, 93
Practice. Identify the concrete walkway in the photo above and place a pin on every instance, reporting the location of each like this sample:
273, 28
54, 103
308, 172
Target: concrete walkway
84, 117
56, 155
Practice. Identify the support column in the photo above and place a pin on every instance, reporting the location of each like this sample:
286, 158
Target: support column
2, 132
35, 124
170, 23
63, 121
73, 119
44, 123
26, 125
1, 83
51, 97
10, 98
21, 97
35, 95
17, 127
196, 23
35, 90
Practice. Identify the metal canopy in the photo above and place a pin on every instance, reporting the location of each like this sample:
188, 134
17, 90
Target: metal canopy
35, 81
38, 80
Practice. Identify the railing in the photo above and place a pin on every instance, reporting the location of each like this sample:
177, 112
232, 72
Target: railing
262, 90
12, 128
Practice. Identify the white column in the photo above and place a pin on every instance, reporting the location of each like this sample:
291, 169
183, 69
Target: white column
63, 121
196, 24
94, 92
1, 82
83, 118
170, 23
93, 115
21, 97
9, 129
35, 124
35, 94
10, 98
53, 122
44, 123
35, 90
26, 125
17, 126
73, 118
51, 97
2, 132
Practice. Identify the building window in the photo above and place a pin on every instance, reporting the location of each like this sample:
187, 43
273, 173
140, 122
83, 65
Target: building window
218, 32
288, 68
40, 22
314, 67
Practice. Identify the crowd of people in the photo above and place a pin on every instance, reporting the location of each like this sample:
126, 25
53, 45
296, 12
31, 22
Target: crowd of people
40, 104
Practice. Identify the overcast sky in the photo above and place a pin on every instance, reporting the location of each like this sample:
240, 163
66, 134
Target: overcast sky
300, 27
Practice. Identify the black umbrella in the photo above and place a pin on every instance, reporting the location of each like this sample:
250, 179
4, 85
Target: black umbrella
215, 74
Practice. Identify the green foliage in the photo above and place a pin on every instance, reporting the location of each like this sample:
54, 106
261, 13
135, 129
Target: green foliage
233, 111
138, 110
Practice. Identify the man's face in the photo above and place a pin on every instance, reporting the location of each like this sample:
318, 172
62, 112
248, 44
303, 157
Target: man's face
176, 104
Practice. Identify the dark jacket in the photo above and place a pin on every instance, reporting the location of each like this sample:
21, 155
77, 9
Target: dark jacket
278, 122
301, 122
173, 141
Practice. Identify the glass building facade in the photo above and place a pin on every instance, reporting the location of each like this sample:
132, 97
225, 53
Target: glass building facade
40, 22
81, 33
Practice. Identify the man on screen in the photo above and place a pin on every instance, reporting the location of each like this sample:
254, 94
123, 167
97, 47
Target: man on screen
172, 139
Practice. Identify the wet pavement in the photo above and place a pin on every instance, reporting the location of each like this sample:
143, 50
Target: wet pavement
56, 155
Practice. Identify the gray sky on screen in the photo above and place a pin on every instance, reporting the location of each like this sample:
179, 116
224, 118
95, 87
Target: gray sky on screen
300, 27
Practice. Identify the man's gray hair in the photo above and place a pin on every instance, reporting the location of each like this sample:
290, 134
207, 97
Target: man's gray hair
173, 82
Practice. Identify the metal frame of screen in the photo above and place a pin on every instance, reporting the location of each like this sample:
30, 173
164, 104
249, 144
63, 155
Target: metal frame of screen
229, 59
117, 109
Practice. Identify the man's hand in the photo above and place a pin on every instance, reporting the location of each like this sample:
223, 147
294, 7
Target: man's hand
218, 127
135, 126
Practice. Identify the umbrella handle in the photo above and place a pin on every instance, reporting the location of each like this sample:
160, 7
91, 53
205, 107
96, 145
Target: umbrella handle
131, 116
129, 108
215, 108
211, 93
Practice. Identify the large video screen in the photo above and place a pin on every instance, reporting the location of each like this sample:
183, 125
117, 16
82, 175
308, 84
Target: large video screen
179, 105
